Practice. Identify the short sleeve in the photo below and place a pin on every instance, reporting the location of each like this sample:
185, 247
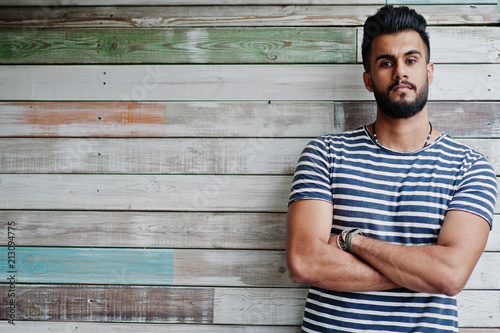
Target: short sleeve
477, 191
312, 176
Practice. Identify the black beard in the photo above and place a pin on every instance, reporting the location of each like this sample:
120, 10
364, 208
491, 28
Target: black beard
401, 109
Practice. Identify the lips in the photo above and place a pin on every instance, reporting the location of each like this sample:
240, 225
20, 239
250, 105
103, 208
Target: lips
402, 86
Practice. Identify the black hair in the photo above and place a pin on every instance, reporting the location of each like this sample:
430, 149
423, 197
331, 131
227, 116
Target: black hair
388, 20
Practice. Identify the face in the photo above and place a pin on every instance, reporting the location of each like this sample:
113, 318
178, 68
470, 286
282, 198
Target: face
399, 75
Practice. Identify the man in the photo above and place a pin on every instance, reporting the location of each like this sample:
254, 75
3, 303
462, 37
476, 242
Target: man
411, 208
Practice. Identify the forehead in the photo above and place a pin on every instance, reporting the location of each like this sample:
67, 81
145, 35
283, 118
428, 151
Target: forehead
397, 44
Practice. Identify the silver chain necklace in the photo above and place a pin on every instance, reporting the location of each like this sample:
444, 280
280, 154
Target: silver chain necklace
426, 142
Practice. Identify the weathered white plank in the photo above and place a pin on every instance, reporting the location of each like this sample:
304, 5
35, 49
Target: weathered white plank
459, 44
490, 148
82, 327
228, 82
159, 229
476, 308
146, 192
259, 306
493, 243
170, 156
486, 272
148, 229
143, 192
224, 16
151, 156
89, 327
479, 308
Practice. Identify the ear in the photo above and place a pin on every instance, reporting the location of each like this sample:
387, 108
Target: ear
430, 72
367, 79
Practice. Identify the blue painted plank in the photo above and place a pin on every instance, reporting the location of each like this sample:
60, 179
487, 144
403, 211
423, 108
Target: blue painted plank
89, 265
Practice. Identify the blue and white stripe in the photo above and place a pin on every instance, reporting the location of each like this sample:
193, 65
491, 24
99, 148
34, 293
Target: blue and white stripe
397, 197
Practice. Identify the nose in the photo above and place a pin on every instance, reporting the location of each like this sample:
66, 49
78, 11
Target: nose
400, 72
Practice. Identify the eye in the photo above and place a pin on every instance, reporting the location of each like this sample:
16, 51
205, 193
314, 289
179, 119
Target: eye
386, 64
412, 61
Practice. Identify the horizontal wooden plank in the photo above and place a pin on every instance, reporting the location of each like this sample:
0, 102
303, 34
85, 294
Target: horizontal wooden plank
158, 229
90, 327
227, 82
170, 156
468, 303
151, 229
434, 2
146, 192
226, 45
226, 119
89, 265
173, 46
143, 192
458, 44
482, 118
184, 267
111, 303
153, 156
229, 306
126, 266
177, 2
171, 119
225, 16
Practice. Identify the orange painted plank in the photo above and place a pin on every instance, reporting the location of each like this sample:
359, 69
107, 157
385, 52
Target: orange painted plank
82, 119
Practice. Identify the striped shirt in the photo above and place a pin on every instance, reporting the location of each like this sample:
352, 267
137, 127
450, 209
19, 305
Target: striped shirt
400, 198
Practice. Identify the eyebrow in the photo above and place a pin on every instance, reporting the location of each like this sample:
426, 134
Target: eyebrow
391, 56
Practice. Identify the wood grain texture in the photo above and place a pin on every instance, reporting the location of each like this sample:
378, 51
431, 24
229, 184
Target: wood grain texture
112, 303
226, 119
227, 82
458, 44
143, 192
170, 156
228, 306
482, 118
172, 46
433, 2
151, 229
147, 192
179, 2
82, 119
91, 265
152, 156
133, 16
119, 266
159, 229
141, 266
171, 119
89, 327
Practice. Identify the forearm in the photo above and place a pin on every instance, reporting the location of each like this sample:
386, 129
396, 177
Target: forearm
331, 268
429, 269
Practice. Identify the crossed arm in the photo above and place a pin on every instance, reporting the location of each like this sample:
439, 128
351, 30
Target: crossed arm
314, 258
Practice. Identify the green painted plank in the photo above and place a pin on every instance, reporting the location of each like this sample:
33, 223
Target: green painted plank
172, 46
88, 265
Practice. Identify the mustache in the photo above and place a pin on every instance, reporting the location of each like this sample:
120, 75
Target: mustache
404, 82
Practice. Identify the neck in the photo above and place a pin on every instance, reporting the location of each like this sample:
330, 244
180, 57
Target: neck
404, 135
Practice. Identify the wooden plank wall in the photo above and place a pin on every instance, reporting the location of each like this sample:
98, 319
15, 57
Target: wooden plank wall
147, 150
